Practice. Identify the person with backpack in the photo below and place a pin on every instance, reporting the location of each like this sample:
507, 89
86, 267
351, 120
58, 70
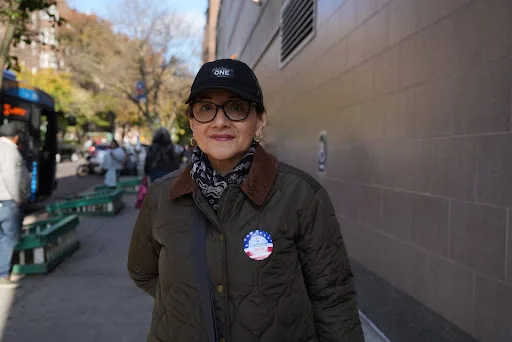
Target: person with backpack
161, 158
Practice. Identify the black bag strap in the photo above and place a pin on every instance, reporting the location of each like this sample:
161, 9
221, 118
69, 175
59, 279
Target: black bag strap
200, 228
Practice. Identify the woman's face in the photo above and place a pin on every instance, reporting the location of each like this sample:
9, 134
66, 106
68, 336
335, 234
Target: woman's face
221, 139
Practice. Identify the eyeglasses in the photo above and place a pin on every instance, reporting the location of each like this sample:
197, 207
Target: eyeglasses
235, 110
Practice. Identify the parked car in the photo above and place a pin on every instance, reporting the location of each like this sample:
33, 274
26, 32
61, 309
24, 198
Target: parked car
67, 152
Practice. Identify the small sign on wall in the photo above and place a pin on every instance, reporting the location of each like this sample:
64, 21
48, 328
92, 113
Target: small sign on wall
322, 155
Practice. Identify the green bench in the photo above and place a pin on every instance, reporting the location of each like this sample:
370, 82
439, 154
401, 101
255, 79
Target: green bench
98, 203
128, 186
45, 244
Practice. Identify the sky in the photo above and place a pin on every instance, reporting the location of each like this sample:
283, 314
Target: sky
194, 10
99, 6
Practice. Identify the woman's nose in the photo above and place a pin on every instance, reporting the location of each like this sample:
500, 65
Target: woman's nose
221, 120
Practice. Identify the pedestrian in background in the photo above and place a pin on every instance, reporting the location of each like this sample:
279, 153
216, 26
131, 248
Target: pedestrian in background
161, 158
113, 164
187, 154
238, 246
14, 192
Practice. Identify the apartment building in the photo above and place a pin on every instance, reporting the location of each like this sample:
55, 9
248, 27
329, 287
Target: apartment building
210, 31
413, 100
43, 52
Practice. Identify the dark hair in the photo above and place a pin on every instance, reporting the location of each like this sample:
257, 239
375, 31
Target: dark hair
114, 141
11, 129
260, 109
162, 137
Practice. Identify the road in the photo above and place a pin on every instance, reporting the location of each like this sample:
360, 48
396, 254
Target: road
68, 184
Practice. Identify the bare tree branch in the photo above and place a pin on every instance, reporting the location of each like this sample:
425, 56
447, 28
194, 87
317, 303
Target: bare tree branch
135, 47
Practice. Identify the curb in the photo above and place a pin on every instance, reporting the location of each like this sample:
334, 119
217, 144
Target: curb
374, 327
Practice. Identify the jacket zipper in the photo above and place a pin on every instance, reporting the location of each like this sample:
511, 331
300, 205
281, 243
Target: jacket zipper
222, 206
217, 222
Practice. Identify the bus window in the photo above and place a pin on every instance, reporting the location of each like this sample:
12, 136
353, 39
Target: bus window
35, 117
43, 132
48, 150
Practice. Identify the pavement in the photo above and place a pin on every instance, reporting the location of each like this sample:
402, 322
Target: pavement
89, 297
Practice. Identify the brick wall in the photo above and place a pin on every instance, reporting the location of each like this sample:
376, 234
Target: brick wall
416, 98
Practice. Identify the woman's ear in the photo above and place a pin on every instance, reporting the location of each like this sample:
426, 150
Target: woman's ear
262, 123
191, 121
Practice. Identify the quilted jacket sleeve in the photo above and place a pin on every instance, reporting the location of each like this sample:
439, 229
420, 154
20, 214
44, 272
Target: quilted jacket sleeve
143, 252
327, 273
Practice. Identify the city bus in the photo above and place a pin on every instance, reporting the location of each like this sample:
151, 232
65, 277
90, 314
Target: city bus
35, 110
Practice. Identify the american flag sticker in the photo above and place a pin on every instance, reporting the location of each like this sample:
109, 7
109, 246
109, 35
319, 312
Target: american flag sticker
258, 245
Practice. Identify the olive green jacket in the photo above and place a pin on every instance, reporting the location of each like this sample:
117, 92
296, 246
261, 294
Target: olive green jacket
297, 288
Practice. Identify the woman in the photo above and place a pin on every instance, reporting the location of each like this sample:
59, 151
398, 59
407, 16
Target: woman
113, 164
161, 158
237, 246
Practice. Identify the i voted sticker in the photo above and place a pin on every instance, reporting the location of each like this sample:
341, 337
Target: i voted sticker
258, 245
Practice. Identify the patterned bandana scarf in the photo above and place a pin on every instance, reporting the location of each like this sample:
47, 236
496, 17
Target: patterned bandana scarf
211, 183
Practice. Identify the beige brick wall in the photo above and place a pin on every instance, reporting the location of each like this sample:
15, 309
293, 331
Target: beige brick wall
416, 98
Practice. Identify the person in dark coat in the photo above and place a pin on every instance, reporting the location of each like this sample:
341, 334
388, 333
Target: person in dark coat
161, 158
237, 246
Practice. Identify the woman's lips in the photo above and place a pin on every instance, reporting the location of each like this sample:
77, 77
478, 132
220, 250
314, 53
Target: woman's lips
222, 137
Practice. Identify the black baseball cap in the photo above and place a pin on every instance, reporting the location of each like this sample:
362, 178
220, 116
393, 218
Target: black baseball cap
229, 74
10, 129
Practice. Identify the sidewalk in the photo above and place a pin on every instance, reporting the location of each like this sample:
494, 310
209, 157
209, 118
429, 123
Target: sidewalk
90, 296
87, 298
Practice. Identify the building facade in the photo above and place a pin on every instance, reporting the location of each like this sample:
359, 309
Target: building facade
43, 52
210, 31
413, 101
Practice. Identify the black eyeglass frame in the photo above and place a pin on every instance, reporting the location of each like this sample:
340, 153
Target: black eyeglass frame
217, 107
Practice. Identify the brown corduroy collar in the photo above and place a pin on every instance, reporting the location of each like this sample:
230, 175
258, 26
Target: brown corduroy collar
257, 185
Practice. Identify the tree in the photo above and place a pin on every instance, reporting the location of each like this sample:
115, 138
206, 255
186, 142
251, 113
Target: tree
136, 50
156, 33
58, 85
15, 18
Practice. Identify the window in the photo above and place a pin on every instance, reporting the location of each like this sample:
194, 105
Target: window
47, 36
43, 131
34, 48
53, 38
44, 60
298, 23
54, 11
53, 60
43, 15
48, 60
